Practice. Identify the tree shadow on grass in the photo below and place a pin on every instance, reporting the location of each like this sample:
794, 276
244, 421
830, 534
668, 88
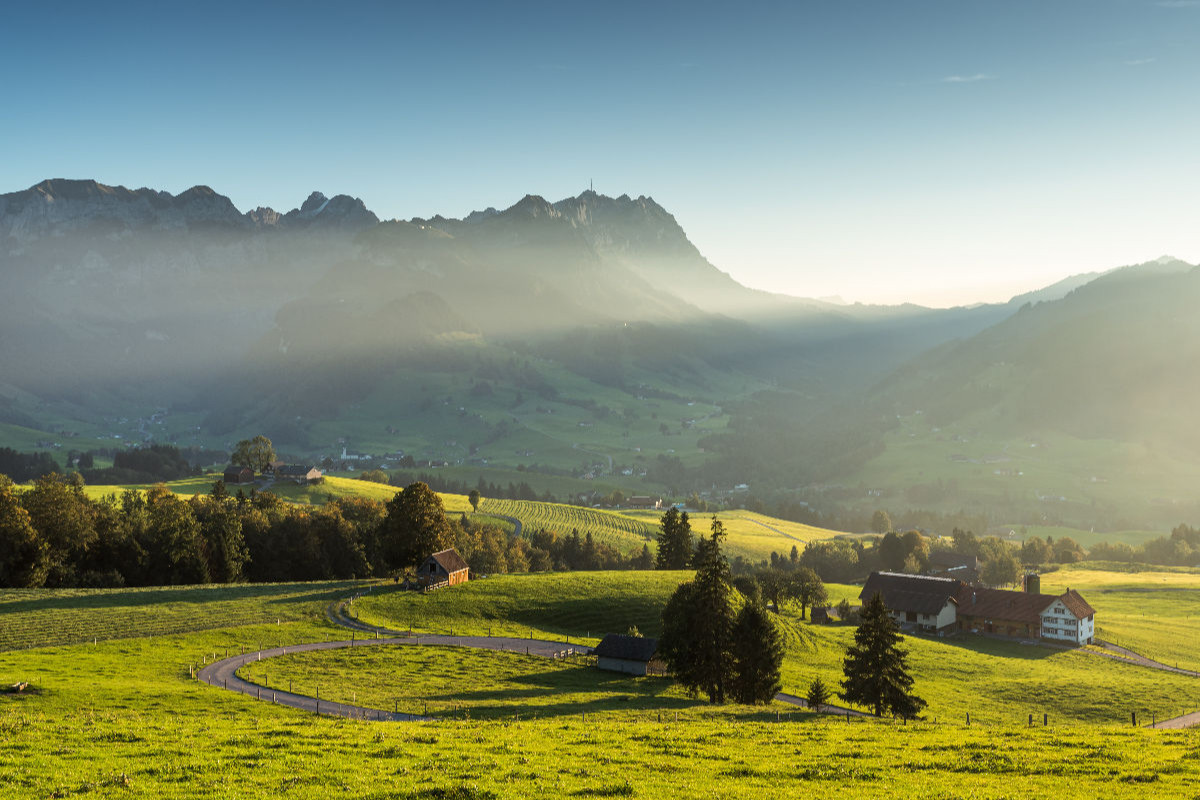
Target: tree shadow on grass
1000, 648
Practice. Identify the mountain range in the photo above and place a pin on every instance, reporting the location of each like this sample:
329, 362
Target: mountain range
324, 325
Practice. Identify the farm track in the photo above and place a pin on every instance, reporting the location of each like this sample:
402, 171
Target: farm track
771, 528
223, 674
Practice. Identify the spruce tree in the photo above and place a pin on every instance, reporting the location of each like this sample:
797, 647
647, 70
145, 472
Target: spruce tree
875, 665
674, 540
698, 624
818, 694
757, 655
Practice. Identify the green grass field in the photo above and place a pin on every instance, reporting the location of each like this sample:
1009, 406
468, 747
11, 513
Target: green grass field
997, 682
1152, 610
121, 718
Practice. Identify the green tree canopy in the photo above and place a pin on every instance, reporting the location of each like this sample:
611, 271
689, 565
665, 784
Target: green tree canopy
881, 522
256, 453
415, 527
24, 554
875, 666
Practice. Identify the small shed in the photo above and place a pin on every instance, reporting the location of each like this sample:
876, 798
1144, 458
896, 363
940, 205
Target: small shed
298, 473
823, 615
237, 474
445, 568
622, 653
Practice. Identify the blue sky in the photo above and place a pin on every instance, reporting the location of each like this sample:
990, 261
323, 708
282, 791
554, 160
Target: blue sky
939, 152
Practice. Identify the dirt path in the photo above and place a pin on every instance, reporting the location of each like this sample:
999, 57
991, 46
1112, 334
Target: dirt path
772, 529
1124, 654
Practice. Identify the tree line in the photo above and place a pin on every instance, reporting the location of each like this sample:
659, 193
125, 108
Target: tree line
52, 534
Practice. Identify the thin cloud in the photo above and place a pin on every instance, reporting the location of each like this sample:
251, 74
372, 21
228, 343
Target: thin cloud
979, 76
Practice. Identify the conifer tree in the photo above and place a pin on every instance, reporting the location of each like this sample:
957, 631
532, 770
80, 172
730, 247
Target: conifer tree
875, 667
757, 655
674, 540
818, 694
698, 624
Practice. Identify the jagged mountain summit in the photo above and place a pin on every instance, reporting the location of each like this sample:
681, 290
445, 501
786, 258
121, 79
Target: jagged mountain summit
59, 206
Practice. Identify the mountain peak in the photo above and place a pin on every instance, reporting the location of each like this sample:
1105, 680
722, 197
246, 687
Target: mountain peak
314, 204
531, 205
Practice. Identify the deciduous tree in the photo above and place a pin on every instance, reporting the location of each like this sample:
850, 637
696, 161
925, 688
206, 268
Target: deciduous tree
256, 453
415, 527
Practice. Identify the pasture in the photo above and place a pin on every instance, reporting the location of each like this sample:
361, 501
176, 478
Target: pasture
121, 718
1152, 610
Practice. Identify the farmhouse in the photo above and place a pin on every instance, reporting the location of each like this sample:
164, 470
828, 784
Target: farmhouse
622, 653
931, 604
298, 473
446, 568
236, 474
641, 501
946, 604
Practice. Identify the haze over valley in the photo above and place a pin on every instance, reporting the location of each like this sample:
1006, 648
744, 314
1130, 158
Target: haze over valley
583, 345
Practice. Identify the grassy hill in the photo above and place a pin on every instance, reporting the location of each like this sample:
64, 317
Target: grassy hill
121, 718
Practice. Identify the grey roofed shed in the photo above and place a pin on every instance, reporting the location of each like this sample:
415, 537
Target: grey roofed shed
622, 653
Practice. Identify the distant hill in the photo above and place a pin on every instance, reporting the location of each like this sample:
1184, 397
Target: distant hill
1074, 410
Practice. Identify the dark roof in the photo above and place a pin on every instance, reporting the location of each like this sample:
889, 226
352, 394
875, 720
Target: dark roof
920, 594
629, 648
238, 469
1003, 604
1077, 605
294, 469
450, 560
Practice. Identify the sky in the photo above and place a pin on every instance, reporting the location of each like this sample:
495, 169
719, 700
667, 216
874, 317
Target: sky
931, 151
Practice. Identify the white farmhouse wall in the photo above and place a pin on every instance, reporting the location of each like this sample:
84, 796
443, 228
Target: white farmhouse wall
1059, 623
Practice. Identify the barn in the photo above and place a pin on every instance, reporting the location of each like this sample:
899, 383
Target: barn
446, 568
236, 474
622, 653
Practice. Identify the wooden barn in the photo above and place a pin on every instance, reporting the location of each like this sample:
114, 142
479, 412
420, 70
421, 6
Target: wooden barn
236, 474
446, 568
629, 654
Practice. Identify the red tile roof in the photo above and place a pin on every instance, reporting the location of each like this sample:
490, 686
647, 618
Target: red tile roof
1077, 605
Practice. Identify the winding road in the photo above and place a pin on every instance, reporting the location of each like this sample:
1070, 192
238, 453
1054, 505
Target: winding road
223, 673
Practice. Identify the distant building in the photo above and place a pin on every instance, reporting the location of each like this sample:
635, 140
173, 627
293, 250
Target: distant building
641, 501
446, 568
236, 474
629, 654
298, 473
946, 604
